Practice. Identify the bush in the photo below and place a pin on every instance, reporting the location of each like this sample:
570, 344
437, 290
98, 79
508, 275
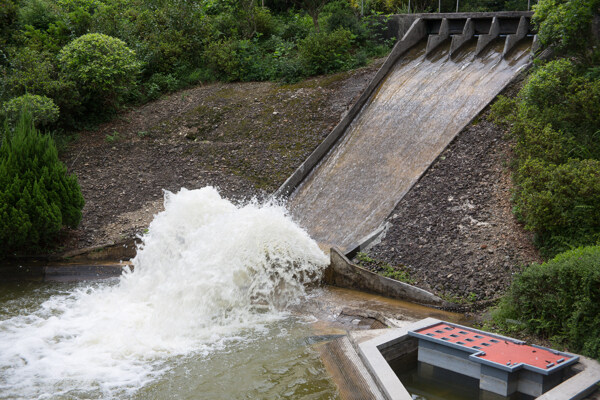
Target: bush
559, 300
561, 203
222, 58
39, 14
43, 110
37, 197
556, 123
35, 73
160, 83
566, 24
103, 67
323, 53
297, 27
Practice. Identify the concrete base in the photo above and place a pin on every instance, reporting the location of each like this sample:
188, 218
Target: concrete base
343, 273
380, 352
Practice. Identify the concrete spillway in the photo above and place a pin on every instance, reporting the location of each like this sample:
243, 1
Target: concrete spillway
421, 105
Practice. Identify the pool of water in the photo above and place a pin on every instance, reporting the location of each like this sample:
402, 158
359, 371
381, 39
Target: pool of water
221, 304
426, 382
273, 360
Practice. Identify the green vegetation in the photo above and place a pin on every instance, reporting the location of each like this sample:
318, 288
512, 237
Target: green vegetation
566, 24
558, 300
37, 197
555, 120
91, 57
399, 273
102, 67
42, 109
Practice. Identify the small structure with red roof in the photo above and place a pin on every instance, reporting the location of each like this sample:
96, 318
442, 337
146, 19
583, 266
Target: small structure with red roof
503, 365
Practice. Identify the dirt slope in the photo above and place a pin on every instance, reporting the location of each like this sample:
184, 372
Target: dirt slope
244, 138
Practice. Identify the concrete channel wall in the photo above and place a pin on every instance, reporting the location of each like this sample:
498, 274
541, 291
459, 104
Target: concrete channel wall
343, 273
413, 35
411, 29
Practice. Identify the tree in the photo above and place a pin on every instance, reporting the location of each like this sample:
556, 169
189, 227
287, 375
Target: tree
313, 8
566, 24
37, 197
102, 66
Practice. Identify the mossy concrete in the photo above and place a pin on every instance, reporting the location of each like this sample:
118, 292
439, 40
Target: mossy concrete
343, 273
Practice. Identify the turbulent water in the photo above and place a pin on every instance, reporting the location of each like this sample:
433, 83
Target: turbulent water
210, 275
420, 107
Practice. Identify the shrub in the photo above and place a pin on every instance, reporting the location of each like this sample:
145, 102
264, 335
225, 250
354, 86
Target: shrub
39, 14
566, 24
323, 53
103, 67
556, 123
37, 197
297, 27
222, 57
160, 83
43, 110
559, 300
561, 203
34, 72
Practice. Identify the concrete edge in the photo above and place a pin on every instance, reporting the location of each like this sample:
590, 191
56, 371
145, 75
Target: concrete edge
416, 32
433, 41
343, 273
512, 40
575, 388
578, 386
484, 40
370, 353
122, 250
465, 15
373, 236
459, 40
365, 242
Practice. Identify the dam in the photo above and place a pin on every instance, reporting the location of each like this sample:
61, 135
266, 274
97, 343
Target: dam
431, 87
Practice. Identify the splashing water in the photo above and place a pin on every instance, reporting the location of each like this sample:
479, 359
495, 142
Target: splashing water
207, 272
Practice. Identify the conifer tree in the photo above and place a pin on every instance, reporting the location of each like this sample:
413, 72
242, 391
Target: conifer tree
37, 197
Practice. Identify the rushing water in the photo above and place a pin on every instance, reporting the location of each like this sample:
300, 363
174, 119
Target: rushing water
419, 108
204, 311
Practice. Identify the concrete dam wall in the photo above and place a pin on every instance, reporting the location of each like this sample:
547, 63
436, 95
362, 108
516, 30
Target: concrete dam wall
436, 80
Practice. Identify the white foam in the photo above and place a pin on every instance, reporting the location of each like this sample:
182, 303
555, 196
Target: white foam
208, 271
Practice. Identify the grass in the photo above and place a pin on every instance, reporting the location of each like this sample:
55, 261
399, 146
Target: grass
399, 273
112, 138
450, 298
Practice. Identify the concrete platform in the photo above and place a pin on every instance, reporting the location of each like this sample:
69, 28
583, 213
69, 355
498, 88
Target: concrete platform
374, 357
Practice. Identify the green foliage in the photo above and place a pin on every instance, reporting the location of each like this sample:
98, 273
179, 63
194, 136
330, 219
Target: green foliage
35, 72
140, 50
39, 14
102, 66
556, 123
559, 300
566, 24
323, 52
160, 83
42, 109
399, 273
8, 18
113, 138
37, 197
561, 203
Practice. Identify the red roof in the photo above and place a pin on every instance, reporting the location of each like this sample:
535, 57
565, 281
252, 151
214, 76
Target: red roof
495, 349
